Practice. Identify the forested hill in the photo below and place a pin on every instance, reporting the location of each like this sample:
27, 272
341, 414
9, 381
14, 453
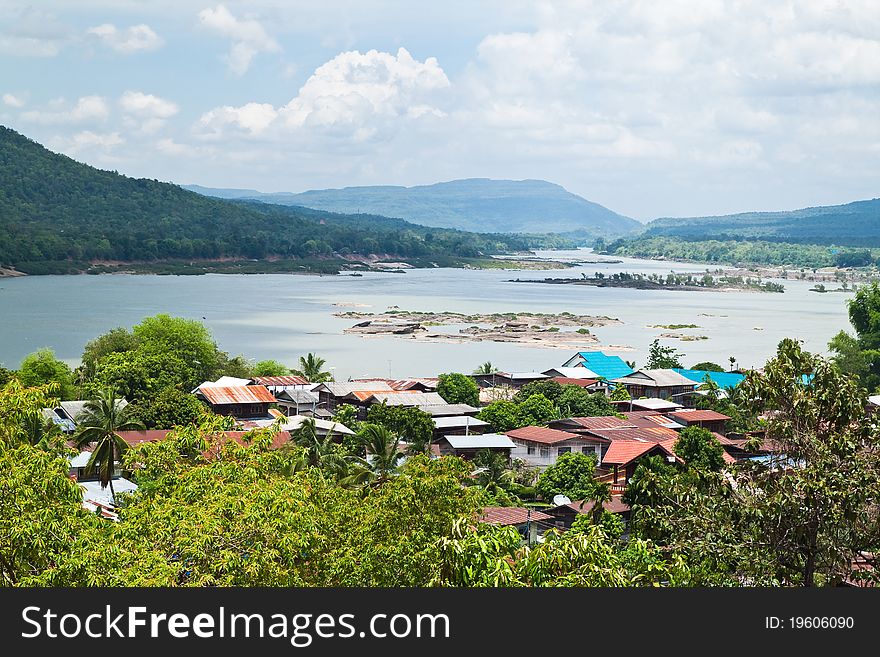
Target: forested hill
853, 224
475, 204
58, 215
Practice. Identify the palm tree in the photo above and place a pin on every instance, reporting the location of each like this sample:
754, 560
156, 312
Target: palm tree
383, 457
101, 419
486, 368
317, 451
311, 368
41, 432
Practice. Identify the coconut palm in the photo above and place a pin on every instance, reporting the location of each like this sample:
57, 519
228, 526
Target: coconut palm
41, 432
486, 368
317, 451
382, 461
101, 419
311, 368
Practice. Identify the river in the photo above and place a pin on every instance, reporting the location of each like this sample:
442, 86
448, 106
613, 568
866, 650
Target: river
285, 316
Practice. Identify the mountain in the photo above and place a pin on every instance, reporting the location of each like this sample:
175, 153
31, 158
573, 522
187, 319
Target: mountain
474, 204
58, 216
852, 224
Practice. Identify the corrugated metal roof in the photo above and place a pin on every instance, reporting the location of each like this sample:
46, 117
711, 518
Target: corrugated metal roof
644, 434
343, 389
484, 441
601, 422
458, 421
294, 422
298, 396
653, 404
364, 395
542, 435
440, 410
512, 515
279, 381
622, 452
568, 381
220, 395
226, 382
571, 372
660, 378
133, 438
603, 365
409, 398
721, 379
616, 505
695, 415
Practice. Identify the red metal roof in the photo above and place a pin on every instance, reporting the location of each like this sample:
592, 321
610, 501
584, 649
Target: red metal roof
542, 435
583, 383
601, 422
364, 395
644, 434
697, 416
631, 415
616, 505
622, 452
280, 380
220, 395
511, 515
133, 438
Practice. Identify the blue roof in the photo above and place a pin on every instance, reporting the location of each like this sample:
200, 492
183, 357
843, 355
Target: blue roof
721, 379
608, 367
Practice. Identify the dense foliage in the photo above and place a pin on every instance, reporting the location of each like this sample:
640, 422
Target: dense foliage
57, 216
859, 355
458, 388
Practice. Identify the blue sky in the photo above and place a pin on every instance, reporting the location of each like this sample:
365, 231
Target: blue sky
652, 109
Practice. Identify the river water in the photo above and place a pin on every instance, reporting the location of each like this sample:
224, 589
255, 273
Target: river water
285, 316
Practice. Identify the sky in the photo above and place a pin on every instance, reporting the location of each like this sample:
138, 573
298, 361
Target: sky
674, 108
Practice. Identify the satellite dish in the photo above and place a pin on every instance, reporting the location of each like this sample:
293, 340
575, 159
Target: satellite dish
559, 500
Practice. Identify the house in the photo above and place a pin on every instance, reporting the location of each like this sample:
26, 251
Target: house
541, 446
276, 384
449, 410
586, 424
468, 446
511, 379
332, 395
297, 401
622, 456
601, 365
427, 384
691, 417
458, 425
530, 523
67, 413
565, 514
590, 385
657, 384
97, 499
248, 401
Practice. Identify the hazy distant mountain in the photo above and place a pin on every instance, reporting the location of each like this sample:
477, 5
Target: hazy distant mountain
474, 204
852, 224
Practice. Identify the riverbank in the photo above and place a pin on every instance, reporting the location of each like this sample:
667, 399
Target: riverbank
678, 282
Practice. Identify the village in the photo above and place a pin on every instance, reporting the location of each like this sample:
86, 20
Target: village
647, 409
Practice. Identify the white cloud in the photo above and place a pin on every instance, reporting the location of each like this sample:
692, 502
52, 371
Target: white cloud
146, 112
137, 38
354, 95
13, 101
86, 109
88, 141
29, 32
248, 36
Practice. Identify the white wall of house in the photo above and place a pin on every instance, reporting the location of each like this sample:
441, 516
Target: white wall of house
545, 455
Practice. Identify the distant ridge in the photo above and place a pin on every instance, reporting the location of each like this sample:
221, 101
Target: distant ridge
473, 204
851, 224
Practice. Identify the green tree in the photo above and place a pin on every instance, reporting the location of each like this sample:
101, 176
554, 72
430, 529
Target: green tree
311, 368
383, 457
552, 390
42, 367
98, 425
317, 451
270, 368
118, 340
169, 408
661, 358
502, 415
698, 448
537, 410
186, 339
412, 425
486, 368
708, 366
860, 355
571, 475
619, 393
578, 402
459, 389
